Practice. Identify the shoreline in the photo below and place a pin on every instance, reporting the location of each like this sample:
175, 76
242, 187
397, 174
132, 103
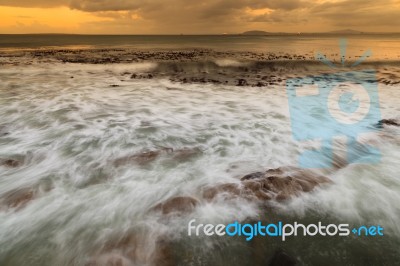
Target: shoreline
203, 66
120, 159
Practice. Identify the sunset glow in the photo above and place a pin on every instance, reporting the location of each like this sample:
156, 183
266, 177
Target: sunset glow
44, 20
179, 16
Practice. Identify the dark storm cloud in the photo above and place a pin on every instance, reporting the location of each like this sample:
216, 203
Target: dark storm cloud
113, 5
106, 5
34, 3
209, 6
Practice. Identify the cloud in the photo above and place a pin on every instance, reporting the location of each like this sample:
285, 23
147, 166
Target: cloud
359, 13
217, 16
106, 5
34, 3
279, 17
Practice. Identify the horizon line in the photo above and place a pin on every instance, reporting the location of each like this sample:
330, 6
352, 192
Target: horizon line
201, 34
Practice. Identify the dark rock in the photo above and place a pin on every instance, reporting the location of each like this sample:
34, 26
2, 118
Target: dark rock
214, 81
241, 82
163, 253
114, 85
177, 205
11, 163
141, 158
3, 131
281, 258
149, 156
280, 184
228, 190
388, 122
172, 89
133, 249
18, 198
260, 84
185, 153
252, 176
133, 76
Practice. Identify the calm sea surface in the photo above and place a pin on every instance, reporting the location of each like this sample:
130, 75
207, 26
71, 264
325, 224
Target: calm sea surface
383, 46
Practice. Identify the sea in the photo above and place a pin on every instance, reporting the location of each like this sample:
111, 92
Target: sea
67, 132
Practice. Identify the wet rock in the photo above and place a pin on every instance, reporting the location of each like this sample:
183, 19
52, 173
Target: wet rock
134, 249
260, 84
185, 153
10, 163
215, 81
279, 184
3, 131
388, 122
228, 190
18, 198
163, 253
241, 82
124, 251
173, 89
283, 183
149, 156
177, 205
281, 258
141, 158
253, 176
110, 259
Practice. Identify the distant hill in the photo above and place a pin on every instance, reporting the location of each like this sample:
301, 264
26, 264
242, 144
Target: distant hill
266, 33
346, 31
255, 32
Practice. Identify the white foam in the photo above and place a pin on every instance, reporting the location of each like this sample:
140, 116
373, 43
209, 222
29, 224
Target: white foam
73, 129
229, 63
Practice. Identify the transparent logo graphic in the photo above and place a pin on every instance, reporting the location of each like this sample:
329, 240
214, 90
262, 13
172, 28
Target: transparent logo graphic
344, 103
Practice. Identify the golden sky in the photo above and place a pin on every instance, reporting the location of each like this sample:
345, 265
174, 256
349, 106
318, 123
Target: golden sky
196, 17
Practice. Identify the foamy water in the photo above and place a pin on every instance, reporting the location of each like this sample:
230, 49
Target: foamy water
69, 124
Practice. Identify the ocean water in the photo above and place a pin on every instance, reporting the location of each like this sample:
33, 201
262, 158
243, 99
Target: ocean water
69, 131
382, 46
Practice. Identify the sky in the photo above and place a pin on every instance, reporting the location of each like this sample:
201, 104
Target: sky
196, 17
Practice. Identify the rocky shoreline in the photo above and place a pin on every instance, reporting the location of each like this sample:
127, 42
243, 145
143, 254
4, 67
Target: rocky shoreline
202, 66
278, 184
275, 184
